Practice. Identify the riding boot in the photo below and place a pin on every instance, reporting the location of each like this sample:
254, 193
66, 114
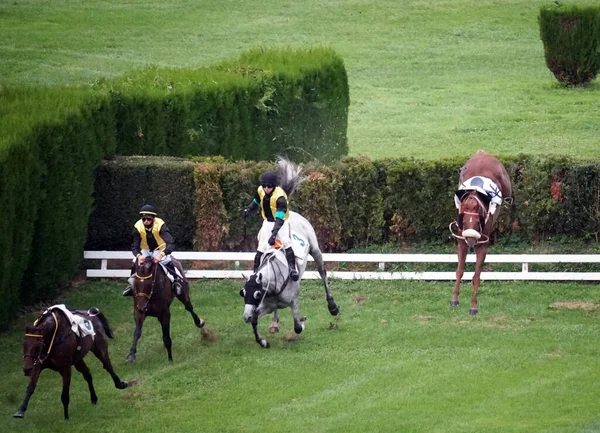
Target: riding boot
257, 258
291, 259
129, 289
177, 281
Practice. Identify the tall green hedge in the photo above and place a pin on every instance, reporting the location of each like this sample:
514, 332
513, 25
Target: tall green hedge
52, 138
358, 202
266, 103
571, 37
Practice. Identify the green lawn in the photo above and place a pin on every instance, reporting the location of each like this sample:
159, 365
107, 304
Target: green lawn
428, 78
398, 359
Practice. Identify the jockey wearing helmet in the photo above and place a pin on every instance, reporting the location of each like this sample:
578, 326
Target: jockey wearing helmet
152, 237
271, 199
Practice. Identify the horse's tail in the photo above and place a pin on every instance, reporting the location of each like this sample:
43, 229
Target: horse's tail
289, 175
97, 313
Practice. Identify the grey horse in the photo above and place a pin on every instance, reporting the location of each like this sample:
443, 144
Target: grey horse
271, 288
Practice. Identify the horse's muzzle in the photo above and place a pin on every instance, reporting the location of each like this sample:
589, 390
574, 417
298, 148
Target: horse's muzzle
249, 311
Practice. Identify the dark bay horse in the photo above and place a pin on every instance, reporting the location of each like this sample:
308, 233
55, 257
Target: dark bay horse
484, 185
152, 296
51, 343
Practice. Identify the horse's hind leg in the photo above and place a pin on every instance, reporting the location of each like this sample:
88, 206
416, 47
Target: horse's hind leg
165, 323
333, 308
85, 372
100, 350
35, 375
64, 397
184, 298
298, 321
460, 271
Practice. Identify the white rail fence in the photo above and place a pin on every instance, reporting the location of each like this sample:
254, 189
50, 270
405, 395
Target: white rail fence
382, 259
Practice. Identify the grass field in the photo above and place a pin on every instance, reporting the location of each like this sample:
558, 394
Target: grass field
398, 359
428, 78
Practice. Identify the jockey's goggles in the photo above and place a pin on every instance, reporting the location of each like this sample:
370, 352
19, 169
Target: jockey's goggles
147, 218
268, 185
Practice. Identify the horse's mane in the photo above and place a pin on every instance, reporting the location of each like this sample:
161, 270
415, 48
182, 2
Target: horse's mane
289, 175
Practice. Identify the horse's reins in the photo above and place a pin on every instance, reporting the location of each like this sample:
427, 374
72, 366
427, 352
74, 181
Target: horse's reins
41, 336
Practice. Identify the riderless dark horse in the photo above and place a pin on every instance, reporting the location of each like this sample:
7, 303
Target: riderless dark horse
152, 296
483, 186
52, 343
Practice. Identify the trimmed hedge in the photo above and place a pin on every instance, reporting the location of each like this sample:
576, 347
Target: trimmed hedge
571, 37
358, 202
266, 103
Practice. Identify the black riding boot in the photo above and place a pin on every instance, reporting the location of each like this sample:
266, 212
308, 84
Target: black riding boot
291, 259
257, 258
177, 283
129, 289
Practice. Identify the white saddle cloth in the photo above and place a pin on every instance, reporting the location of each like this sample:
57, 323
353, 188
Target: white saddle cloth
79, 325
483, 185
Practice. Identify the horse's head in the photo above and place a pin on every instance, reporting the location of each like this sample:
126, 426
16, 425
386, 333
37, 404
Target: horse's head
36, 343
472, 218
253, 293
143, 285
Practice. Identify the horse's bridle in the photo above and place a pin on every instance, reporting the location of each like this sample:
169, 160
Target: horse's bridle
483, 220
39, 359
142, 294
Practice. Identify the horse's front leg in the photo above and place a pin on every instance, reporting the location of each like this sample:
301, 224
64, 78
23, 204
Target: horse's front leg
139, 321
85, 372
298, 321
35, 375
261, 310
274, 326
333, 308
165, 323
64, 397
480, 252
460, 270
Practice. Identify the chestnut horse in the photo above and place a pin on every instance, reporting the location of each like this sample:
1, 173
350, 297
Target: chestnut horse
483, 186
152, 296
52, 343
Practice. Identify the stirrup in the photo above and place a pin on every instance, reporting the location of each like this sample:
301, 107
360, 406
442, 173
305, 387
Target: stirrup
128, 291
177, 287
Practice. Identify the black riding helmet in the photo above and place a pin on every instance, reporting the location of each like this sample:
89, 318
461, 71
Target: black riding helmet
269, 178
148, 209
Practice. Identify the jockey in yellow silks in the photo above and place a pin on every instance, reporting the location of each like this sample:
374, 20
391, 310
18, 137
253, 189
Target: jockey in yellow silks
152, 237
273, 204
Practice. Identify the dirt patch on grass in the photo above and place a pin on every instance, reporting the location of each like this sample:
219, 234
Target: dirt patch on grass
208, 335
588, 306
290, 337
359, 299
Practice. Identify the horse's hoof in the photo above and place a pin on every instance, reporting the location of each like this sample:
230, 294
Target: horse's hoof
130, 358
454, 303
19, 414
473, 311
200, 323
264, 344
273, 330
123, 385
95, 400
333, 308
